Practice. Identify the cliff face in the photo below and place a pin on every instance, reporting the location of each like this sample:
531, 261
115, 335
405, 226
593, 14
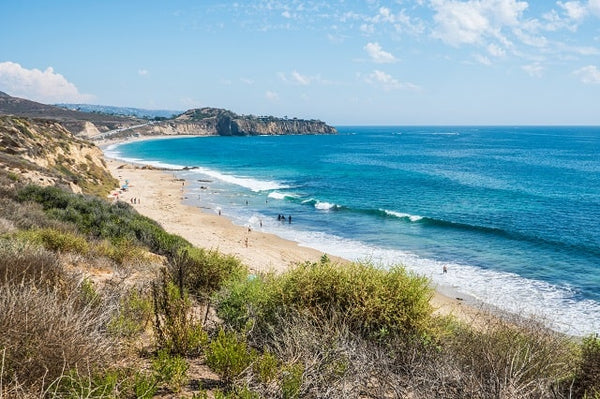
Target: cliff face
220, 122
227, 123
43, 152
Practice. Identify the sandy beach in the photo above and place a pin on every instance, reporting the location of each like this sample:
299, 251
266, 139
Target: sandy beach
159, 194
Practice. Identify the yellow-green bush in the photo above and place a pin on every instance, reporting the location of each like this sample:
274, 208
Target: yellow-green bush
374, 302
228, 354
203, 272
56, 240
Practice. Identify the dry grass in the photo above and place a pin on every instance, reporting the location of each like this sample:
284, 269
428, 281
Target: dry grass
44, 334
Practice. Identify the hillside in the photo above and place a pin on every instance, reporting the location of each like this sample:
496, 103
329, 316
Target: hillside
43, 152
79, 123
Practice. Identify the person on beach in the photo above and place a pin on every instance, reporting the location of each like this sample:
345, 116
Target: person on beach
289, 219
444, 269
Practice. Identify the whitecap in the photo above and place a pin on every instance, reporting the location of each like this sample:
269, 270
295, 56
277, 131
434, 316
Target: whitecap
401, 215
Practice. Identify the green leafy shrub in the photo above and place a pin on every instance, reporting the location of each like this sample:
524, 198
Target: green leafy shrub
170, 370
266, 367
237, 393
229, 355
100, 219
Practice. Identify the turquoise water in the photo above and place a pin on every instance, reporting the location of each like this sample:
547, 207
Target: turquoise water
512, 212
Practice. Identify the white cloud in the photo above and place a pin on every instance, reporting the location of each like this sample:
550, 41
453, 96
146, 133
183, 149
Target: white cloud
387, 82
574, 9
43, 86
286, 14
367, 28
247, 81
469, 22
143, 72
378, 55
482, 59
534, 70
385, 15
301, 79
588, 74
271, 95
297, 78
495, 50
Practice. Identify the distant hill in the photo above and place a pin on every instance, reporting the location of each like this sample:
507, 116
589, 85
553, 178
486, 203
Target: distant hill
122, 111
77, 122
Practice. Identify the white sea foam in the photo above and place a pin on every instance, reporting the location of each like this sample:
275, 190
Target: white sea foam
412, 218
279, 195
242, 181
324, 206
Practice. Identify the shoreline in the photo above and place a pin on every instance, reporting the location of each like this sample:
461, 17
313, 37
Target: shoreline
160, 194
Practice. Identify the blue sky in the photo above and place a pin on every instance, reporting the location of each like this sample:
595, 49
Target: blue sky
345, 62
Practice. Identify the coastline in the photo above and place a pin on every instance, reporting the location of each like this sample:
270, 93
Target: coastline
160, 194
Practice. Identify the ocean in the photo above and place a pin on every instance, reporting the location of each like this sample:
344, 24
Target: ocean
513, 213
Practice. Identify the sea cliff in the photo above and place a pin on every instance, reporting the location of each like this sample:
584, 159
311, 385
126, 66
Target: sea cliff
221, 122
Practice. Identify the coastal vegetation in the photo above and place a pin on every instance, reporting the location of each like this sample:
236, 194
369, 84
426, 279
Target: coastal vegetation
99, 301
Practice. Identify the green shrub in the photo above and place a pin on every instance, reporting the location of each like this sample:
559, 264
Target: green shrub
374, 302
56, 240
144, 385
250, 301
237, 393
176, 328
265, 367
170, 370
292, 380
203, 272
587, 379
101, 219
135, 312
229, 355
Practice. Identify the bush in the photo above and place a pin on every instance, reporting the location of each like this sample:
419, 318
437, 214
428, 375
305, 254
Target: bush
177, 330
56, 240
203, 272
374, 302
96, 217
44, 333
24, 263
587, 378
510, 360
134, 314
229, 355
170, 370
